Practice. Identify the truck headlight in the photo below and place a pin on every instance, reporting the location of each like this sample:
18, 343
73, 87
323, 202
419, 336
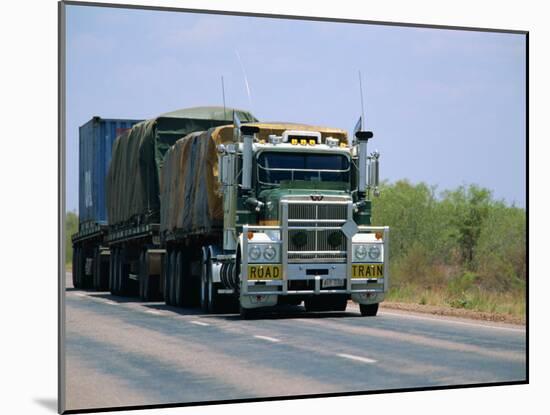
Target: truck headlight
361, 252
254, 252
269, 253
374, 252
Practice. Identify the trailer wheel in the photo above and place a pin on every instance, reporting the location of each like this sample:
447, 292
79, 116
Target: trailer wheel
103, 273
112, 272
204, 281
75, 267
142, 275
178, 279
368, 310
166, 278
147, 283
124, 280
78, 278
96, 272
213, 298
116, 268
171, 277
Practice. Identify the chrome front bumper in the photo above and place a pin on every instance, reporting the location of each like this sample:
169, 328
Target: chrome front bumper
292, 272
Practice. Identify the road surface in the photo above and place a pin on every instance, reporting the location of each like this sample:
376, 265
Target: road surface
121, 352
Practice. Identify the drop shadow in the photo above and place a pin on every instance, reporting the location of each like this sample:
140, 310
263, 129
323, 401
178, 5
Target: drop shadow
48, 403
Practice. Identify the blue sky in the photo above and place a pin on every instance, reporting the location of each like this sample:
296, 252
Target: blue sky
446, 107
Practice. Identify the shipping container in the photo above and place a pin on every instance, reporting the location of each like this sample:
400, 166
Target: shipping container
96, 139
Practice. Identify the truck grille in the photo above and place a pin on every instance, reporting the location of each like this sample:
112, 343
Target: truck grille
320, 244
317, 211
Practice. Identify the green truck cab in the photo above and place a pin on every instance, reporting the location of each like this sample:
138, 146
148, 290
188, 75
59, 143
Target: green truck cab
296, 221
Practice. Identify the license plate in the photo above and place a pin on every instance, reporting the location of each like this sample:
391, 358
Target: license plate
265, 272
332, 283
367, 271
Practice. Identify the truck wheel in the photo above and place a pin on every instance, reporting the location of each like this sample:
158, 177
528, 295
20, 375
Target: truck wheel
117, 272
213, 297
204, 281
103, 273
142, 275
111, 273
165, 281
368, 310
171, 277
178, 277
86, 281
79, 269
124, 278
75, 267
96, 273
147, 285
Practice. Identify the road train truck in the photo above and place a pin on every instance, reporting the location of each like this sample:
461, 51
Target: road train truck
208, 206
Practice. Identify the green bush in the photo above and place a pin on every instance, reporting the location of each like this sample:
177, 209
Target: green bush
459, 246
500, 256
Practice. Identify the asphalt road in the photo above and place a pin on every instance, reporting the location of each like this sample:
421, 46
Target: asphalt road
120, 352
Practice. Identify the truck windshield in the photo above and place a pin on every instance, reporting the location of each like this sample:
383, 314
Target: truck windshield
275, 167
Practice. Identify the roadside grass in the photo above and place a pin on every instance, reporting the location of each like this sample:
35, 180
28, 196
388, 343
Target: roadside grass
474, 298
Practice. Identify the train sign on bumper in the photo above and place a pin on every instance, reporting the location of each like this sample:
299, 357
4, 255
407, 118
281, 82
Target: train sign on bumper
367, 271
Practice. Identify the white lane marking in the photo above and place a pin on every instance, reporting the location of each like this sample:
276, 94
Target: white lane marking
444, 320
199, 323
155, 312
94, 298
269, 339
358, 358
105, 301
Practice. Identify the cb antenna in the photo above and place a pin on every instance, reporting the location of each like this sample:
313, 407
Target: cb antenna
223, 97
362, 105
245, 79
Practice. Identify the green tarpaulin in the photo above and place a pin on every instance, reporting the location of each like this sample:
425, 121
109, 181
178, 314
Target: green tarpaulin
133, 186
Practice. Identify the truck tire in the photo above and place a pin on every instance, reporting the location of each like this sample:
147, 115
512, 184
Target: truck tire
214, 300
204, 281
165, 280
112, 272
124, 280
368, 310
178, 279
75, 267
85, 281
143, 276
171, 277
96, 273
116, 269
104, 273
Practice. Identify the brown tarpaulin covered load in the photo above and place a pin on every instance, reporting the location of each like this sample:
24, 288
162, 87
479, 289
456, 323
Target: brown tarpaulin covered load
190, 192
132, 183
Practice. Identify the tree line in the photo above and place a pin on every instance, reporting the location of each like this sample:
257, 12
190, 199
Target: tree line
459, 239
